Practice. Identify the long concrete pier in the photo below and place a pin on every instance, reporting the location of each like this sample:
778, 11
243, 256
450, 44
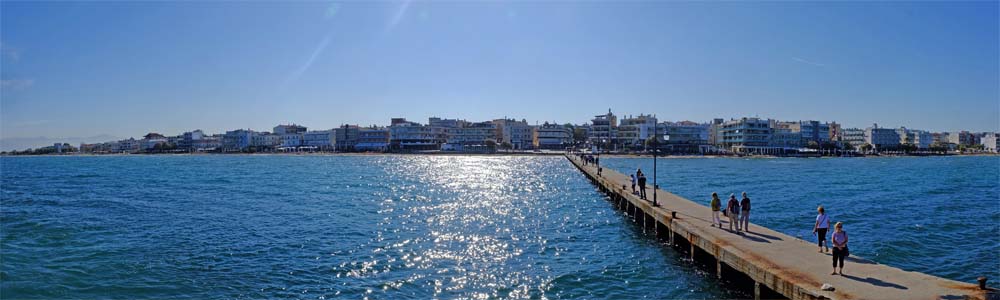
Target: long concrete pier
775, 264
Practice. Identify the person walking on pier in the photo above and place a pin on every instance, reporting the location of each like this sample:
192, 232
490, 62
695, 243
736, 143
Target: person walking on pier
716, 205
822, 225
642, 185
839, 239
733, 211
745, 212
633, 182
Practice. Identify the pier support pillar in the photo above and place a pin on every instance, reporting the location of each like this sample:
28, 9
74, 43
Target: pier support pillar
671, 233
718, 268
756, 290
692, 250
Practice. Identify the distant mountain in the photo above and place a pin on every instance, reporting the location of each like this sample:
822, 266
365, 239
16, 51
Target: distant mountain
21, 143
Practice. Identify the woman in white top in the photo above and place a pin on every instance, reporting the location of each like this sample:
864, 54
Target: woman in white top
822, 225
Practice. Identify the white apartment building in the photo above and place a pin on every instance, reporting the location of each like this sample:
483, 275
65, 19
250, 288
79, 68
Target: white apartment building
323, 140
989, 141
553, 136
633, 131
603, 130
518, 134
881, 138
745, 133
130, 145
405, 135
265, 140
852, 136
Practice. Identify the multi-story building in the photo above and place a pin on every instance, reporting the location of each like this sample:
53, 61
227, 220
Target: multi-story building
553, 136
237, 140
881, 138
922, 139
518, 134
188, 139
411, 136
813, 131
683, 136
852, 136
989, 141
290, 135
746, 134
150, 140
447, 123
347, 137
603, 130
785, 138
264, 141
834, 133
715, 131
207, 143
322, 140
289, 129
633, 131
96, 147
372, 139
471, 137
130, 145
962, 138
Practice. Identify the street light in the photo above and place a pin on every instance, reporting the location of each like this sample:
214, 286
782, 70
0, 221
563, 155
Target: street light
656, 148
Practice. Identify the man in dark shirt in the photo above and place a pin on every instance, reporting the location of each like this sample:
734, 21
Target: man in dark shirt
745, 212
642, 186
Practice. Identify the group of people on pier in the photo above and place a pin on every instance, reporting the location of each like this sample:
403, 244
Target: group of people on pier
737, 211
739, 219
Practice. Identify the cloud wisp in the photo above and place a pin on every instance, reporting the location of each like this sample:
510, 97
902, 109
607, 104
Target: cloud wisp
808, 62
16, 84
398, 15
309, 62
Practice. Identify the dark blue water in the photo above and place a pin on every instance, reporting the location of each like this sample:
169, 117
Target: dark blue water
322, 227
446, 227
935, 215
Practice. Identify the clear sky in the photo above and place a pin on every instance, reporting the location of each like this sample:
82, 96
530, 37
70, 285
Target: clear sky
126, 68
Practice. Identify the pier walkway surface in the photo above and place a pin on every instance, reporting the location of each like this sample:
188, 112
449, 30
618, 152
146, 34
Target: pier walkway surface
776, 263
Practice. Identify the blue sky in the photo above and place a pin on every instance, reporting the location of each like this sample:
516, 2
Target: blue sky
127, 68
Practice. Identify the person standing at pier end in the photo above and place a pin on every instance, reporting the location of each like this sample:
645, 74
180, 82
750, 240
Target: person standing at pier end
716, 205
745, 212
839, 239
822, 225
733, 211
642, 185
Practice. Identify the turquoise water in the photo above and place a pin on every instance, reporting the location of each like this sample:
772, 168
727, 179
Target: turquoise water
446, 226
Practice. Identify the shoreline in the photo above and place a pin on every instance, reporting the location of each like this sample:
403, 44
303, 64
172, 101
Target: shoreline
648, 156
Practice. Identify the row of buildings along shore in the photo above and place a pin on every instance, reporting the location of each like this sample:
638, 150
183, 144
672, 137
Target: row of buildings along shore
605, 132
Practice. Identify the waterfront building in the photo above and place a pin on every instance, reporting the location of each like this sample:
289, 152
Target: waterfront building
96, 148
265, 141
784, 137
852, 136
290, 135
321, 140
989, 141
683, 136
633, 131
581, 134
962, 138
812, 131
471, 137
130, 145
188, 139
922, 139
446, 123
834, 133
603, 131
237, 140
150, 140
289, 129
207, 143
518, 134
553, 136
412, 136
347, 137
881, 138
715, 132
747, 135
372, 139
